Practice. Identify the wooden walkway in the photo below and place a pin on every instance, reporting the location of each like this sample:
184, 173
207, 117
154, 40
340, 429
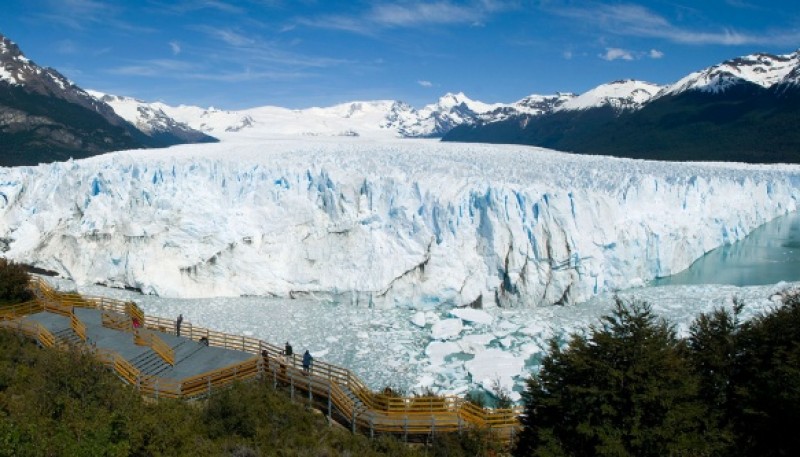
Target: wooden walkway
145, 352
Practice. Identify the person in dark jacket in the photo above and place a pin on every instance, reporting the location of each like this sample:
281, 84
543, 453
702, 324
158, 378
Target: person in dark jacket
178, 325
307, 361
287, 350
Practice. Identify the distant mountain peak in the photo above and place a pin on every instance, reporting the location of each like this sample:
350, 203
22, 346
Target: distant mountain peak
623, 94
761, 69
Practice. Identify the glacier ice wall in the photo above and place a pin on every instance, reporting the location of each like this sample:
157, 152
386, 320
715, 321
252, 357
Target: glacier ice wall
405, 222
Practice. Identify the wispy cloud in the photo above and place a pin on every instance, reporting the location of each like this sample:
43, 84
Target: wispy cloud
66, 47
82, 14
612, 54
227, 35
410, 14
636, 20
616, 54
187, 6
241, 47
425, 83
175, 47
155, 67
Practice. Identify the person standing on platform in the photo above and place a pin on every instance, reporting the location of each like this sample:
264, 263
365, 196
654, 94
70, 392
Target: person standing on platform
178, 325
307, 361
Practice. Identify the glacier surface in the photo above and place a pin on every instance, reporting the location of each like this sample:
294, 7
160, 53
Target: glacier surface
414, 223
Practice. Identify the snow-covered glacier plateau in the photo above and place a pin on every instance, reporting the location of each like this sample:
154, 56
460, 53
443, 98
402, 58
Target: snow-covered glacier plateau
389, 222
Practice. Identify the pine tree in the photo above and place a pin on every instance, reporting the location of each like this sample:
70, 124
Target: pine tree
766, 382
627, 389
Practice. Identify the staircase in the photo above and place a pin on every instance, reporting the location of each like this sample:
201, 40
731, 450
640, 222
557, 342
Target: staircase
359, 408
68, 337
151, 364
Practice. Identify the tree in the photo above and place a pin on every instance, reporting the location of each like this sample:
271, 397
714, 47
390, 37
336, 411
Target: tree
766, 381
713, 341
13, 282
627, 389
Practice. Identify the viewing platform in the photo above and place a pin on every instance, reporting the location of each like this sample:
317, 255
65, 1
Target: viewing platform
146, 353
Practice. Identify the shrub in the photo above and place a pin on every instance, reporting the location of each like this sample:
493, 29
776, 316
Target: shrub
13, 282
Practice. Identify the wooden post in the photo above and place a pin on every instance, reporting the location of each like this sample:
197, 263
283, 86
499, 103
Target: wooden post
291, 385
405, 429
329, 404
353, 422
371, 428
309, 390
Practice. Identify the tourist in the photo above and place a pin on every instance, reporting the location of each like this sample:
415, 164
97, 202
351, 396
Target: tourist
178, 325
307, 360
287, 351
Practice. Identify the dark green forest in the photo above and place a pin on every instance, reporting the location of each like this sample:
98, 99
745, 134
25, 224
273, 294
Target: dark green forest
630, 387
744, 124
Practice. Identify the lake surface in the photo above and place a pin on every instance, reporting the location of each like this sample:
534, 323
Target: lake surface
768, 255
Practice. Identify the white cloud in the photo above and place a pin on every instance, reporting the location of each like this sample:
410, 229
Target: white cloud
616, 54
635, 20
411, 14
424, 83
176, 47
655, 54
567, 55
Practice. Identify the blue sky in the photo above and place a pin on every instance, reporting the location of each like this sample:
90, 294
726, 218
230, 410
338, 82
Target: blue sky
245, 53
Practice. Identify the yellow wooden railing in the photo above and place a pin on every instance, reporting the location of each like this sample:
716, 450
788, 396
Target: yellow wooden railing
77, 326
144, 337
116, 321
327, 382
11, 312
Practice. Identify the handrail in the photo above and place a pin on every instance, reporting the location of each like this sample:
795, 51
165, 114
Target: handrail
11, 312
77, 326
144, 337
116, 321
387, 413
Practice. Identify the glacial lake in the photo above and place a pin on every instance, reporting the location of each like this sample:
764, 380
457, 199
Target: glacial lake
768, 255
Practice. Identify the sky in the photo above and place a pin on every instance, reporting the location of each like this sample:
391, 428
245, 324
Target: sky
235, 54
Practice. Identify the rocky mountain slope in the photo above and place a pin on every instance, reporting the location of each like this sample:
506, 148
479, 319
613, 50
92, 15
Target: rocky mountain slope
45, 117
744, 109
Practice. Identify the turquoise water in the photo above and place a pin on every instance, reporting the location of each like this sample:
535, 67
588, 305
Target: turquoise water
768, 255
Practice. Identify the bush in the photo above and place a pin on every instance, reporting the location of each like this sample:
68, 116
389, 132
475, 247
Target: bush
13, 282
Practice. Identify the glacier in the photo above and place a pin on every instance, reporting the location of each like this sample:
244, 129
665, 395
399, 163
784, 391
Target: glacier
380, 223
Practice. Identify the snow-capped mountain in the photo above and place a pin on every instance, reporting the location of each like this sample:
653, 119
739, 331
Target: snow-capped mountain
764, 70
151, 120
18, 71
621, 95
45, 117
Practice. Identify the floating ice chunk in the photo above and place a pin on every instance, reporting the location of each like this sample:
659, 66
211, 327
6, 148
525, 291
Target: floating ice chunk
529, 349
504, 328
438, 350
426, 380
495, 367
473, 315
471, 344
431, 317
446, 329
418, 319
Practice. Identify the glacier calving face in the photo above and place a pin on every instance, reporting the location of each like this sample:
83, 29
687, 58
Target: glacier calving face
405, 222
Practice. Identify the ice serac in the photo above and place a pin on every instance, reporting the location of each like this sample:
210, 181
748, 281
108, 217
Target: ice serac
406, 222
